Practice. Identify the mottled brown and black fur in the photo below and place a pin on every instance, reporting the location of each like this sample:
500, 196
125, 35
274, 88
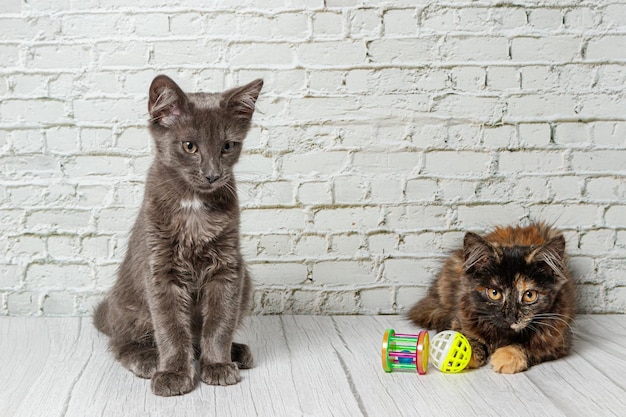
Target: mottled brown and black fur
182, 288
510, 293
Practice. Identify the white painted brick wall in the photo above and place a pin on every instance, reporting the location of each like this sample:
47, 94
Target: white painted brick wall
385, 130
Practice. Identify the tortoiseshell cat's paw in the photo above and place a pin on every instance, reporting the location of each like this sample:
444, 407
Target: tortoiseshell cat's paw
241, 355
479, 354
220, 373
167, 384
509, 360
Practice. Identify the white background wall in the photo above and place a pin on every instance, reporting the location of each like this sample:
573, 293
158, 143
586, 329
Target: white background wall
386, 129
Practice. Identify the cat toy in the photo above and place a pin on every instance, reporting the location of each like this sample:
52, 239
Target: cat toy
405, 351
449, 351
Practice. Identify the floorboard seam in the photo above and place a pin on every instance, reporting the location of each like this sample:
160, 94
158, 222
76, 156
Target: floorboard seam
347, 372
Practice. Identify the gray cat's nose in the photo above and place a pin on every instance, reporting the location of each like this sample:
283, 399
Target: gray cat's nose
212, 178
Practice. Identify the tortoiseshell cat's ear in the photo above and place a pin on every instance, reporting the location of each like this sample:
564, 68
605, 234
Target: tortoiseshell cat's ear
478, 253
241, 101
167, 102
550, 257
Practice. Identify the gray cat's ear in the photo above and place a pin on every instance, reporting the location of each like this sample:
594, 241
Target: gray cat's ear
167, 102
241, 101
550, 256
477, 252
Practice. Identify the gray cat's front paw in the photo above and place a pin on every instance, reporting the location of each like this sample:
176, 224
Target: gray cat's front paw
220, 374
167, 384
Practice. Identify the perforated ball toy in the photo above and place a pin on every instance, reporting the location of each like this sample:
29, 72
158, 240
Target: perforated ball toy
405, 351
450, 351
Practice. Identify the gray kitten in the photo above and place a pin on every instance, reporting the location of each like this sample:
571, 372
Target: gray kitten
183, 287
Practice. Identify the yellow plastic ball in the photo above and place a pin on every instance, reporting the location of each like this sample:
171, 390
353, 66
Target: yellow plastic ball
450, 351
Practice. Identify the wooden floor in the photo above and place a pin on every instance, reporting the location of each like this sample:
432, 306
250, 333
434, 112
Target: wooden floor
306, 366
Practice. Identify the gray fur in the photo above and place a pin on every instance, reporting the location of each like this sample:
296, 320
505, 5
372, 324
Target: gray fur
183, 287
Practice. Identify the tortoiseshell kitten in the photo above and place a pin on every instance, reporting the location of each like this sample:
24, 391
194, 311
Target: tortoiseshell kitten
183, 288
509, 293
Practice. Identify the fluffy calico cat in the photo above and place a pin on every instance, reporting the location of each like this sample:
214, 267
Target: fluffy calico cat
183, 288
510, 293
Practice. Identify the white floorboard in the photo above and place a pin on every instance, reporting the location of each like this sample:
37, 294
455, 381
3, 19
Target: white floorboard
306, 366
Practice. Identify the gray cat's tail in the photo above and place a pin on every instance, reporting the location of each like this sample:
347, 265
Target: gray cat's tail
100, 317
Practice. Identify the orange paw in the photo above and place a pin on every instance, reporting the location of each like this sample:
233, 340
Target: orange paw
509, 360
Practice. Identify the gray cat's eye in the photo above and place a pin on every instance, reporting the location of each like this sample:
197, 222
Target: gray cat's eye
190, 147
229, 146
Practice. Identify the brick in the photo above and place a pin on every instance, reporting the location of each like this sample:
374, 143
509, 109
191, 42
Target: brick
62, 247
491, 215
347, 219
376, 301
606, 188
327, 24
58, 220
470, 48
278, 273
503, 78
333, 53
313, 163
413, 217
407, 296
599, 161
582, 18
261, 55
27, 246
530, 162
610, 47
568, 215
131, 53
32, 111
182, 52
186, 23
339, 302
616, 216
499, 136
468, 78
597, 242
545, 19
400, 22
27, 142
23, 303
410, 271
311, 246
262, 221
554, 48
346, 245
534, 134
342, 272
397, 51
58, 304
571, 134
58, 276
614, 15
383, 243
472, 107
61, 139
315, 193
456, 163
10, 276
364, 23
534, 77
370, 163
